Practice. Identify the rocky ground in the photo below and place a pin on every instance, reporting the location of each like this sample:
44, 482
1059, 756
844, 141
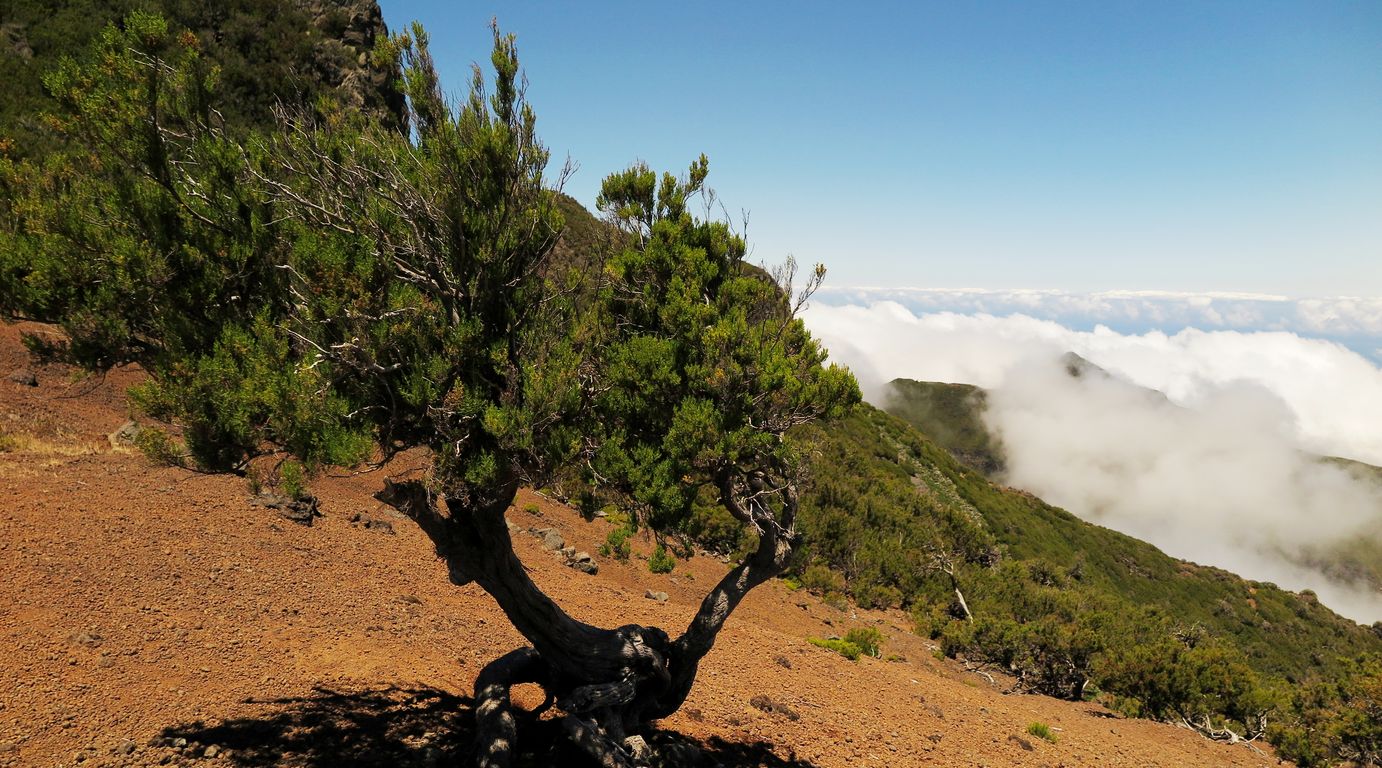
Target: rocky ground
154, 616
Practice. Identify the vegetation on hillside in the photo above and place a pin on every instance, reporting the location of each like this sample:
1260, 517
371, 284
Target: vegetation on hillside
331, 291
951, 415
267, 53
1070, 609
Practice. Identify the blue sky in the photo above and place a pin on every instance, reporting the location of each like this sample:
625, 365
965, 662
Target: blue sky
1202, 146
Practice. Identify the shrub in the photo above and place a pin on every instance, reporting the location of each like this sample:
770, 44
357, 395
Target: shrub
843, 647
836, 600
821, 580
661, 561
159, 447
292, 481
1042, 731
878, 596
7, 442
532, 509
617, 543
868, 639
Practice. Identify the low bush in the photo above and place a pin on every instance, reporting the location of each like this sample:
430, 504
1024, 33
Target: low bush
843, 647
1042, 731
617, 543
867, 639
661, 561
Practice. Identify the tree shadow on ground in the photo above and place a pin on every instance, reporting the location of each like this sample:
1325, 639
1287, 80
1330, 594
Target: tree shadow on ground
410, 728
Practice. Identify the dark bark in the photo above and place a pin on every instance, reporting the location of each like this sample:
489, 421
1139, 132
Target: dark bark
608, 682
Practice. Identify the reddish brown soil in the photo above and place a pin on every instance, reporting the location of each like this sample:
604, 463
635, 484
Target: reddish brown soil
139, 605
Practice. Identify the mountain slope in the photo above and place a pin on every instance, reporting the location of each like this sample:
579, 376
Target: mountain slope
270, 52
141, 605
881, 488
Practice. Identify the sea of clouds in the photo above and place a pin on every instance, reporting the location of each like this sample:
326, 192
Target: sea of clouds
1219, 470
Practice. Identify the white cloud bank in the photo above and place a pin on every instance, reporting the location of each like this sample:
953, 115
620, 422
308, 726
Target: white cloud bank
1353, 321
1214, 472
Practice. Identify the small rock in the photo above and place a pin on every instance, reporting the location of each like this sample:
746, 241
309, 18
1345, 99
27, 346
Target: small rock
584, 563
125, 747
212, 751
568, 552
124, 435
661, 597
782, 662
371, 523
179, 743
24, 377
773, 708
88, 639
551, 539
300, 511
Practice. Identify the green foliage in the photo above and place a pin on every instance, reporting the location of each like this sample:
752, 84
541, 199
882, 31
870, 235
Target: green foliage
1068, 608
161, 449
819, 579
1041, 731
868, 640
292, 480
531, 508
616, 544
714, 366
267, 53
843, 647
1332, 721
661, 561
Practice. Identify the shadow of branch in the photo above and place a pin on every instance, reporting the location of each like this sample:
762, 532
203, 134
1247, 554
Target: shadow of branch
412, 728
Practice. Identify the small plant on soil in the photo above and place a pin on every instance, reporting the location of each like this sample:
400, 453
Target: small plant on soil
1042, 731
617, 544
292, 480
661, 561
843, 647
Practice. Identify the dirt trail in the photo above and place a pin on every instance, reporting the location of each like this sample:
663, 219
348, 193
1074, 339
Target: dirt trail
152, 616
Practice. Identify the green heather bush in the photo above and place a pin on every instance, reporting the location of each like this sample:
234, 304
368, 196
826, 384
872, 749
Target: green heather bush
292, 481
161, 449
661, 561
868, 640
617, 543
843, 647
820, 580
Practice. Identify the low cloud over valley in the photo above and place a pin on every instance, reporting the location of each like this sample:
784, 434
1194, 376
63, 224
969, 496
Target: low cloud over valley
1203, 442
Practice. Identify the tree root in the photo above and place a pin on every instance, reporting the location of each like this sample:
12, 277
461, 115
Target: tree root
591, 738
495, 727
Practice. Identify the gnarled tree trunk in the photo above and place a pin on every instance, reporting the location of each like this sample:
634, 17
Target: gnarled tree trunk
609, 683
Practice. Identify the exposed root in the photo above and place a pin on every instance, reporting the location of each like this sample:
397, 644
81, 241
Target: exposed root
495, 727
591, 738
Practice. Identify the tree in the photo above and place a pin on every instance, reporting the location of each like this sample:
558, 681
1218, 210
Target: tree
401, 292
